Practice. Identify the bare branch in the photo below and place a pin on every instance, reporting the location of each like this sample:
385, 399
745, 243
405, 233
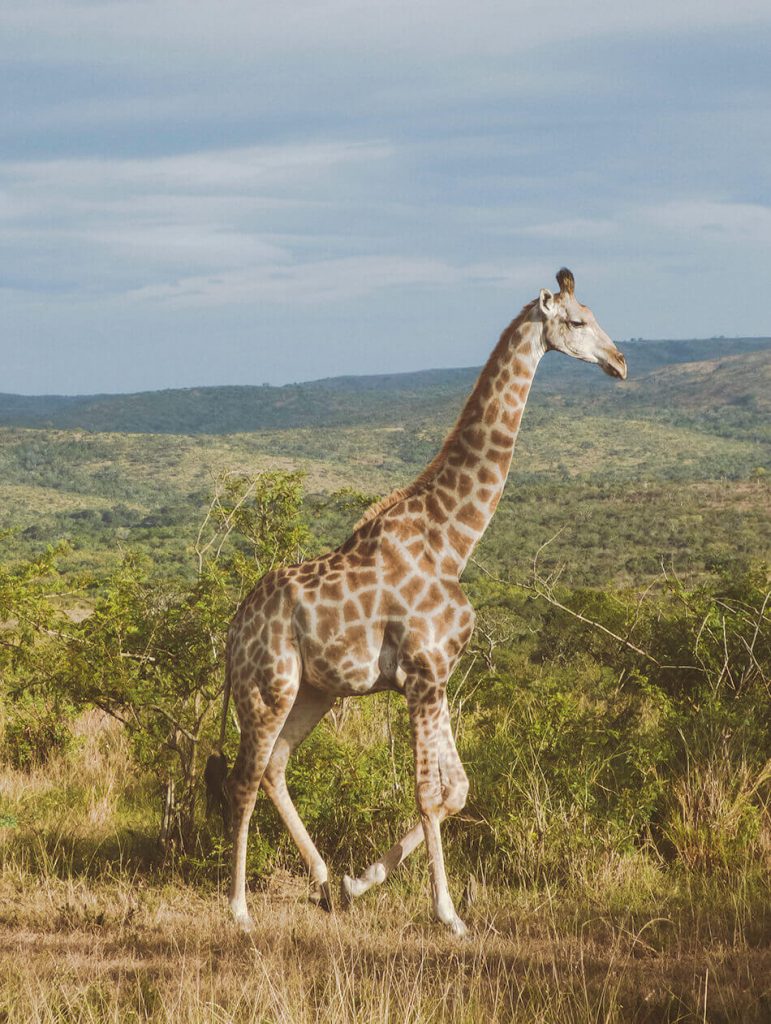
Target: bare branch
545, 592
221, 530
173, 721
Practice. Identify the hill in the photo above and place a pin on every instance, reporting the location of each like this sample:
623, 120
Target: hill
742, 381
670, 465
379, 399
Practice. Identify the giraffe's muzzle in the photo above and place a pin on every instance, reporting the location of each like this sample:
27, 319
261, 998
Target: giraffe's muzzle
614, 364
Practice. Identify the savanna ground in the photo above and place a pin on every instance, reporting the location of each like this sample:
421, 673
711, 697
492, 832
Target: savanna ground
117, 951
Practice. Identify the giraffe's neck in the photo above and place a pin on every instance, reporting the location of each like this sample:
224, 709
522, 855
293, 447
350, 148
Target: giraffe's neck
464, 483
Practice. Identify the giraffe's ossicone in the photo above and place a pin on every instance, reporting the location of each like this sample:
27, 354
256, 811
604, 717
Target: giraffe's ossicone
386, 611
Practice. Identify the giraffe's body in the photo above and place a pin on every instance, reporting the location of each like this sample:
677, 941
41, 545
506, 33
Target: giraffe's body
386, 611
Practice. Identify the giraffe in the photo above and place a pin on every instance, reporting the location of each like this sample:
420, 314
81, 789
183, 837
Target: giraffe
385, 611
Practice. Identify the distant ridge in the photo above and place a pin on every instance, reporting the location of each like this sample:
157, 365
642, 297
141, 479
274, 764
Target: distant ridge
379, 399
741, 381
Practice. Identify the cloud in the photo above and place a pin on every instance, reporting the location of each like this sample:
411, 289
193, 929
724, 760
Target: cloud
176, 171
726, 222
248, 167
579, 227
332, 280
126, 223
177, 31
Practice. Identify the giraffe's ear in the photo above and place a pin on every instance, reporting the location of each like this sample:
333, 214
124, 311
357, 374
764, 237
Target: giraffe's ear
546, 302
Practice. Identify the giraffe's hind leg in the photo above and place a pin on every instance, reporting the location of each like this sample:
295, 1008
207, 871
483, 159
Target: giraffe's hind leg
263, 700
309, 708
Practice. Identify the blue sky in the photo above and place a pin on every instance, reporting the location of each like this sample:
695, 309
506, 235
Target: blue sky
225, 192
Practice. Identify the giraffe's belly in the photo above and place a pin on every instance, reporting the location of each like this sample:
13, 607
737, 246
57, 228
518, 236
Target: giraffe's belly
342, 669
349, 661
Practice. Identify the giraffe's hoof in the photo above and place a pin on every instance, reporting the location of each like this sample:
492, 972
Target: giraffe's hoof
243, 921
323, 898
457, 927
346, 892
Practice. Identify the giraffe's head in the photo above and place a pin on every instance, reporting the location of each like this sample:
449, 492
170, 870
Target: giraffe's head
570, 327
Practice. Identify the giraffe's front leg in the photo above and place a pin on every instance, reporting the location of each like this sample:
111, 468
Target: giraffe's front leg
454, 793
430, 721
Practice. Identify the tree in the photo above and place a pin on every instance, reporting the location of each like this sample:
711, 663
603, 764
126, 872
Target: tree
151, 654
35, 713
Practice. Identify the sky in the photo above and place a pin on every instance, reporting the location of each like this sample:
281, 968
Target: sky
236, 192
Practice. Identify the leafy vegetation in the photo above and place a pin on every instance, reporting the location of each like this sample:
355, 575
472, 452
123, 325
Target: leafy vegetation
583, 709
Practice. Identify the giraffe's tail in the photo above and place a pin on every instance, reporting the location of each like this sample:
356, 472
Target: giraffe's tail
225, 702
216, 771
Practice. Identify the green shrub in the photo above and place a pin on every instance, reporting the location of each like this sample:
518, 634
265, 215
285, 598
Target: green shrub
34, 729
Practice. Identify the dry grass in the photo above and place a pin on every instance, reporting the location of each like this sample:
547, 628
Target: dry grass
120, 951
720, 803
91, 939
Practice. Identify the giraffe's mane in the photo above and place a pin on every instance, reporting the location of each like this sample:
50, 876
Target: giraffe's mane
400, 493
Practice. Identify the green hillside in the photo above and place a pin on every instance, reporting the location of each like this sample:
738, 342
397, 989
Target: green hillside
340, 401
670, 466
742, 381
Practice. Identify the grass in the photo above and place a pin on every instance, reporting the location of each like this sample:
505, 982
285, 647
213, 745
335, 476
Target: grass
93, 929
115, 947
120, 949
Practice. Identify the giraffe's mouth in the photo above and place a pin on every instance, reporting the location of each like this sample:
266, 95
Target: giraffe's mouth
614, 364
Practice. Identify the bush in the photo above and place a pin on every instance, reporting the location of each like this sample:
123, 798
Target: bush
652, 733
34, 728
35, 713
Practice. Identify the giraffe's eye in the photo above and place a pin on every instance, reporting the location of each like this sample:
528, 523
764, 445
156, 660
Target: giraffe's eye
576, 323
